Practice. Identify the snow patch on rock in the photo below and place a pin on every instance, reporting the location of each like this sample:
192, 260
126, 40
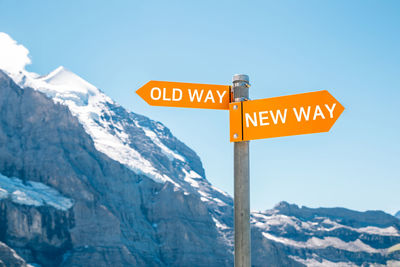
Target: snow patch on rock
266, 221
168, 152
32, 193
318, 243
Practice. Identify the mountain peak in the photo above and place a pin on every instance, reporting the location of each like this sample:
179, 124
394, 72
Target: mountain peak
283, 206
68, 80
56, 71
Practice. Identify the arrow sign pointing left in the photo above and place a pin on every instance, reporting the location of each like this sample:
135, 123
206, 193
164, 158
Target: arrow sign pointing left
185, 95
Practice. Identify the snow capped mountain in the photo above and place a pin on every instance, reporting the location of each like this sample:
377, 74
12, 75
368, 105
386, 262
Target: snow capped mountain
397, 214
118, 213
309, 234
145, 146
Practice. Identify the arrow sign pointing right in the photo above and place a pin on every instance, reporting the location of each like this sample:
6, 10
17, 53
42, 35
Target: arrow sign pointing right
185, 95
306, 113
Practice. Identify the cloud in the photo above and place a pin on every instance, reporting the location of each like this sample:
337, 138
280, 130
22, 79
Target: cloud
13, 57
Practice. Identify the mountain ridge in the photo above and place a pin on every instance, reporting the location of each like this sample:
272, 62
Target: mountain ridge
356, 218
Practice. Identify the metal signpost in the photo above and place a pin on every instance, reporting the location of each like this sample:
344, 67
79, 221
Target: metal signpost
306, 113
241, 173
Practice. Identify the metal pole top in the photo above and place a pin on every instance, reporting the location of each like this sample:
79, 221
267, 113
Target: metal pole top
240, 87
241, 78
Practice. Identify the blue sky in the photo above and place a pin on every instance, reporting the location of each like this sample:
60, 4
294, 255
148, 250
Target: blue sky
350, 48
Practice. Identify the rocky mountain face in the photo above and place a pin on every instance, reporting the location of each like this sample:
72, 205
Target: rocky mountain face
84, 182
9, 258
118, 217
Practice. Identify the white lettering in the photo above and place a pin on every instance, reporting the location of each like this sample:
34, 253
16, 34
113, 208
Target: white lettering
278, 114
174, 96
221, 95
195, 94
209, 96
262, 118
152, 93
251, 119
318, 112
165, 95
302, 113
330, 109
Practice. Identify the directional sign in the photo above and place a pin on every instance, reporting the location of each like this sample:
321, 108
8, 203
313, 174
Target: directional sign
307, 113
185, 95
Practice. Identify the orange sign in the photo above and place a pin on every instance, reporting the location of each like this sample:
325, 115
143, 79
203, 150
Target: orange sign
307, 113
185, 95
